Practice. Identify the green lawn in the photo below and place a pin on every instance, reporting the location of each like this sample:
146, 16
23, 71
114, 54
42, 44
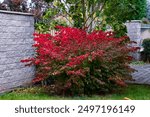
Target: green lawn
138, 63
135, 92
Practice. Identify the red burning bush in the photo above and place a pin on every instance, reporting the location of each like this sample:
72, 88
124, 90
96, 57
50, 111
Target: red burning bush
82, 63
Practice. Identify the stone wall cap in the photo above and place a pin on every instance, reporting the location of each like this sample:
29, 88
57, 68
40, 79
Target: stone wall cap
134, 21
145, 26
17, 13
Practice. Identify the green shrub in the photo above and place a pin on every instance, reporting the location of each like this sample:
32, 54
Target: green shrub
146, 52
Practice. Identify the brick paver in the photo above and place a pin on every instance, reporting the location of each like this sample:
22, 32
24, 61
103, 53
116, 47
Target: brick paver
142, 75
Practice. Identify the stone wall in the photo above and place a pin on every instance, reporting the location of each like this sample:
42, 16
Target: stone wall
16, 30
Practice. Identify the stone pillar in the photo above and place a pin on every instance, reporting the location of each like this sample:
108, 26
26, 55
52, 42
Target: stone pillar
16, 39
148, 9
134, 32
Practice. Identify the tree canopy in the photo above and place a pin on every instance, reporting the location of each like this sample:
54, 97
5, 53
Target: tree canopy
97, 14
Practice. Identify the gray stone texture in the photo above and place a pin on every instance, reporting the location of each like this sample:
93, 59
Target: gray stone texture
134, 32
16, 39
148, 9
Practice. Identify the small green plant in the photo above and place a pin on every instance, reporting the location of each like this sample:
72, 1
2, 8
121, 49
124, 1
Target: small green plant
137, 63
146, 52
48, 21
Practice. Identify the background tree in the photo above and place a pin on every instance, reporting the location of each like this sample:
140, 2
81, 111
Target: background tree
82, 13
98, 14
116, 13
16, 5
38, 7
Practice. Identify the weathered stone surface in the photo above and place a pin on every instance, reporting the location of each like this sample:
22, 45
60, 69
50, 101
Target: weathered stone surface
16, 39
6, 15
148, 9
13, 29
16, 74
16, 35
12, 66
17, 53
13, 47
11, 60
134, 30
14, 23
17, 83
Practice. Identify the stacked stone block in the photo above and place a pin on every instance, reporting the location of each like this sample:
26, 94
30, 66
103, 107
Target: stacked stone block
16, 39
148, 9
134, 32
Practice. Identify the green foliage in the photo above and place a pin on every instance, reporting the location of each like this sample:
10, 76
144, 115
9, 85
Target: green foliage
118, 12
99, 14
140, 7
125, 10
95, 14
81, 14
139, 63
49, 21
146, 45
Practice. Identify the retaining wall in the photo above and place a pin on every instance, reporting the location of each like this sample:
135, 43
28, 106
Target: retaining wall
16, 30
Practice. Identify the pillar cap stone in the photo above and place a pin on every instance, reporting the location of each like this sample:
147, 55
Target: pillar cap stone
17, 13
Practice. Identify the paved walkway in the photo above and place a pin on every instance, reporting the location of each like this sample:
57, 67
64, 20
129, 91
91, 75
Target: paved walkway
142, 75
